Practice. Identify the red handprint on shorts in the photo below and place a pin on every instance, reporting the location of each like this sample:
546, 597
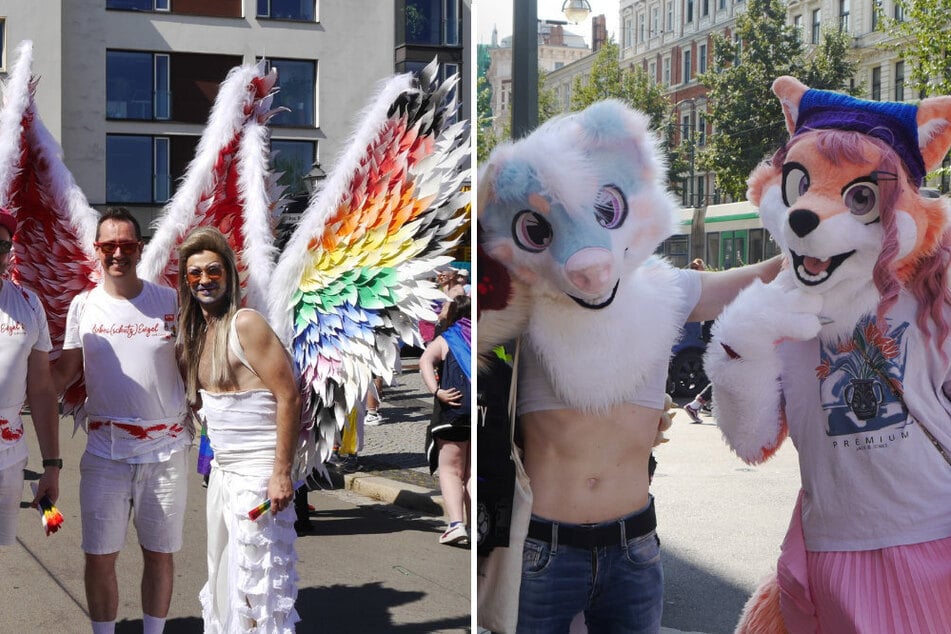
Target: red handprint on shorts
8, 434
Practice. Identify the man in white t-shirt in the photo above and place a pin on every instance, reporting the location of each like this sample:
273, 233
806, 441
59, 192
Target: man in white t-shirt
24, 368
122, 335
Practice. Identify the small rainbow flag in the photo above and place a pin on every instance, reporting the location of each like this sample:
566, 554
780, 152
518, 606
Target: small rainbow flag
258, 510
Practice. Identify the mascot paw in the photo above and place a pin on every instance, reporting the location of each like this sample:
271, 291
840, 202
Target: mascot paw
763, 315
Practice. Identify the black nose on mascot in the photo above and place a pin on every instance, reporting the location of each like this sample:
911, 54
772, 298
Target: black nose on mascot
802, 221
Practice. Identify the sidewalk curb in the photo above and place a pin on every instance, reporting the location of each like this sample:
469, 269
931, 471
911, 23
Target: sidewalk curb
390, 491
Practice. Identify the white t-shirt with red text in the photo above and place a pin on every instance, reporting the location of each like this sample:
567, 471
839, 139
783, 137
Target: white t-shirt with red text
23, 329
135, 398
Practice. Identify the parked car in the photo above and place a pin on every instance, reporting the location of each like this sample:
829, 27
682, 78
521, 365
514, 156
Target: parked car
685, 375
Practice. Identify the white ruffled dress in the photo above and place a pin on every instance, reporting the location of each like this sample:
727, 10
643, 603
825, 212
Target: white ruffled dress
252, 579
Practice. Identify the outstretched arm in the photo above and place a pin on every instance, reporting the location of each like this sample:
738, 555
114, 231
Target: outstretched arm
719, 288
273, 366
44, 410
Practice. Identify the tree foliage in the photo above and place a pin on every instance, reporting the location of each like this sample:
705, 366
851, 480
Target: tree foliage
747, 119
923, 39
631, 85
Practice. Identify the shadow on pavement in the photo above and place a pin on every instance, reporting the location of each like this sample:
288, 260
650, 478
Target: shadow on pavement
698, 600
394, 460
187, 625
361, 609
367, 520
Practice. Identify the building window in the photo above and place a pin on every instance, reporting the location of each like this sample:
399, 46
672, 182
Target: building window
138, 5
286, 9
294, 159
655, 21
670, 17
137, 85
666, 71
877, 83
434, 22
704, 8
628, 33
816, 23
702, 59
899, 12
689, 10
701, 129
844, 6
876, 14
641, 21
298, 87
797, 24
721, 5
899, 81
137, 169
652, 71
686, 66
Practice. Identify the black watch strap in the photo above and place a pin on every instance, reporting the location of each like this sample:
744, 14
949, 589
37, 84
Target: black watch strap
53, 462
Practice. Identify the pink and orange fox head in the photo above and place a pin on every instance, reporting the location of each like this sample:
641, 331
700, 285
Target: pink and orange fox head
842, 197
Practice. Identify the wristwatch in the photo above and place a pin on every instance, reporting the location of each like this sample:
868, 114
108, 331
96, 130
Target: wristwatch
53, 462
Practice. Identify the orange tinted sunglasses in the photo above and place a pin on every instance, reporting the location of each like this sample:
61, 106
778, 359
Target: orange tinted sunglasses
213, 273
126, 248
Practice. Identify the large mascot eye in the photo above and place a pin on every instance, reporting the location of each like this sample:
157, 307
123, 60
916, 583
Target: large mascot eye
795, 182
610, 207
531, 231
862, 201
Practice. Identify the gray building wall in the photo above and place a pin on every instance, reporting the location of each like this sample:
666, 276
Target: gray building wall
351, 40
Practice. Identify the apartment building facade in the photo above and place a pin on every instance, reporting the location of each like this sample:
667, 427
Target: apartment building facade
126, 86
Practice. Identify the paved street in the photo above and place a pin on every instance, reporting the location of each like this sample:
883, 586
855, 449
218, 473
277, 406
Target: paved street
720, 522
370, 567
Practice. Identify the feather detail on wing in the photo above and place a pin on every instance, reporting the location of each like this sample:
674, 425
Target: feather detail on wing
355, 277
54, 254
228, 185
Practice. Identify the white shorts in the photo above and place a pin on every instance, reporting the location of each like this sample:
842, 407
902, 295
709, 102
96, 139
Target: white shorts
11, 492
154, 494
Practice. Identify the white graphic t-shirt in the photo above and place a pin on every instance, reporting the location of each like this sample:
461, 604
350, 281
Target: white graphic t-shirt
871, 478
135, 399
23, 329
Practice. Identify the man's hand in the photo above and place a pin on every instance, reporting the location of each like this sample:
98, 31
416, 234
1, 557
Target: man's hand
280, 490
48, 485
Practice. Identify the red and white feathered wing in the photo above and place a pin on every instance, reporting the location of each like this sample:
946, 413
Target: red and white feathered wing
227, 185
54, 254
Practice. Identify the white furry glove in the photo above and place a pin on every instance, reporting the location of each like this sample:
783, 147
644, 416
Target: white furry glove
743, 364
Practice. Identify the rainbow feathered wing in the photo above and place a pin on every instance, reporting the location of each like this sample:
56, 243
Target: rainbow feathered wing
355, 277
54, 254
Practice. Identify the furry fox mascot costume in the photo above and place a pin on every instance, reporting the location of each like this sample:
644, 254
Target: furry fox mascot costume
848, 351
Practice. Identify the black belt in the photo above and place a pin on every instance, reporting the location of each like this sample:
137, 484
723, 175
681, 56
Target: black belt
581, 536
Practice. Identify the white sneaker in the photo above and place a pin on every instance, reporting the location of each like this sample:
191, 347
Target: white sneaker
455, 535
373, 419
693, 411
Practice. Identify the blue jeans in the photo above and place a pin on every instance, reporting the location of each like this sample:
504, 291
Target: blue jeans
620, 588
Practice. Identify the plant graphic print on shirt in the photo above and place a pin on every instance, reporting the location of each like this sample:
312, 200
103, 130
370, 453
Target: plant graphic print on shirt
852, 379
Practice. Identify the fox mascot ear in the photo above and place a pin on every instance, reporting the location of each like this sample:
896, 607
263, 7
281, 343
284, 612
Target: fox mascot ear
930, 129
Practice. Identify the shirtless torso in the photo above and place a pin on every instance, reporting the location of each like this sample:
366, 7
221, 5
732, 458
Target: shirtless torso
587, 468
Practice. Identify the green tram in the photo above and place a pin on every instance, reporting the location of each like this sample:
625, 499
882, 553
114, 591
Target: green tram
725, 236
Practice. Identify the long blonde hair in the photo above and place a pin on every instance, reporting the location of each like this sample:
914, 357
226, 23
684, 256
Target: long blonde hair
189, 345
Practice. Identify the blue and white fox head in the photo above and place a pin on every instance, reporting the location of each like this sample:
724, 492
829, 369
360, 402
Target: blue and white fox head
578, 204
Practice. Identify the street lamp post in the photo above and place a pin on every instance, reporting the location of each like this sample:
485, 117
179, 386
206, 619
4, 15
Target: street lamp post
525, 60
524, 67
